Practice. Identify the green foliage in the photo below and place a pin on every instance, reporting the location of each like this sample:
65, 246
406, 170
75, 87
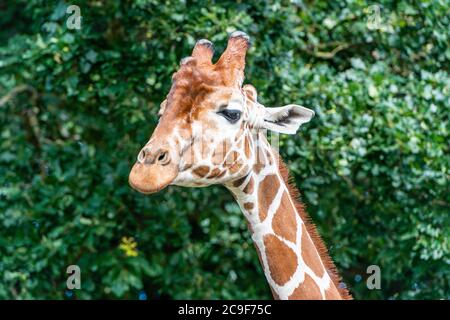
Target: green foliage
77, 105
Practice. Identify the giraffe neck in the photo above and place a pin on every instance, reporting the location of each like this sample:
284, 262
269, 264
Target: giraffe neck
292, 263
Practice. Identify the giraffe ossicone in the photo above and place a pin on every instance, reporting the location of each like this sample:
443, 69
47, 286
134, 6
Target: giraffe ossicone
212, 130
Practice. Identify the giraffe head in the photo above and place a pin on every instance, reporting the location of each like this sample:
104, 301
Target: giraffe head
208, 123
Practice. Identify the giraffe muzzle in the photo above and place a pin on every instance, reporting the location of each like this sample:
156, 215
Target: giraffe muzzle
153, 171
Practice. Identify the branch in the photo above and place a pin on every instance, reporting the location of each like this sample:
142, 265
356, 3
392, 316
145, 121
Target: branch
328, 55
15, 91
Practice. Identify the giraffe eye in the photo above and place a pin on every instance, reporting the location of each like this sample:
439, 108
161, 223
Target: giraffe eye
231, 115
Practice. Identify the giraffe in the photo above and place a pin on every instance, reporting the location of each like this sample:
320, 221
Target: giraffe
212, 130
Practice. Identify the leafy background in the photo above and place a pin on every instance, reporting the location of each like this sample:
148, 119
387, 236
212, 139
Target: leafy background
76, 106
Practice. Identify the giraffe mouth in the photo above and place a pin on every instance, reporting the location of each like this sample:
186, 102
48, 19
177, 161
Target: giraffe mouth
149, 179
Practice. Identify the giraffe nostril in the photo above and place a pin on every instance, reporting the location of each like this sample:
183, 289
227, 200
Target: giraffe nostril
163, 157
141, 156
146, 156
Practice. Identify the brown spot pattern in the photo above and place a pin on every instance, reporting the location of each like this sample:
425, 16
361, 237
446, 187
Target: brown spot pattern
310, 255
281, 259
214, 173
221, 174
284, 223
257, 167
238, 182
249, 187
201, 171
307, 290
186, 166
267, 190
332, 293
247, 147
248, 206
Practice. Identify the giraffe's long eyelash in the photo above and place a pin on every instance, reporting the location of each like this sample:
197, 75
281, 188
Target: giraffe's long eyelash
222, 107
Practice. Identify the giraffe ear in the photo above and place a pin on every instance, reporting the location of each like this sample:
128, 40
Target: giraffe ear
250, 91
287, 119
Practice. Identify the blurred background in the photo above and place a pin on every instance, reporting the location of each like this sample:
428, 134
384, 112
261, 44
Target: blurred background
76, 106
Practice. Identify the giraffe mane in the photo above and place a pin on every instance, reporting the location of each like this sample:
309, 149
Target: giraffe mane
311, 228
